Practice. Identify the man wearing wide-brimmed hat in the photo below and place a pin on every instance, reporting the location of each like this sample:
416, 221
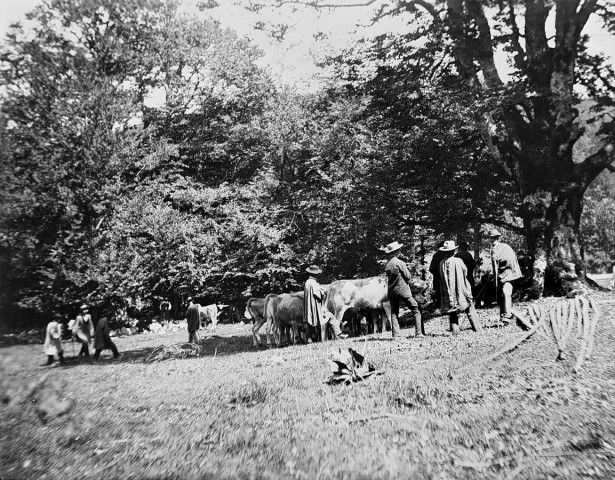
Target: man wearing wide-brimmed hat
82, 330
313, 305
505, 270
53, 340
102, 339
455, 290
398, 278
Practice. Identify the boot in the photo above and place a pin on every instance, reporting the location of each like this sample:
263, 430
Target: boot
454, 321
418, 325
474, 319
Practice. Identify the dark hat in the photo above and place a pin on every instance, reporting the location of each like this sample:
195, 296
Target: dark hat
56, 315
448, 246
107, 312
493, 233
313, 269
392, 247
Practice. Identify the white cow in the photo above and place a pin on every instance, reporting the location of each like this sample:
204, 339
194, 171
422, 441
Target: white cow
210, 313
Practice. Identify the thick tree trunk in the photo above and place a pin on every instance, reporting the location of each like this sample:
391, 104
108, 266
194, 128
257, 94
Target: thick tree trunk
552, 222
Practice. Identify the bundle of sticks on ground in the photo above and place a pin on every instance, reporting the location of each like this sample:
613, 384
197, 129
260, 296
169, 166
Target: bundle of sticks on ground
558, 321
178, 351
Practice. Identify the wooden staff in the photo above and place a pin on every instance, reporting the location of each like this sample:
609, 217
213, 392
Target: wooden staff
528, 324
556, 333
569, 322
584, 338
592, 331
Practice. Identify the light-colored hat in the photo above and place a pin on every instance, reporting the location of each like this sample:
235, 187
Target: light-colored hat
84, 307
448, 246
493, 233
392, 247
189, 299
313, 269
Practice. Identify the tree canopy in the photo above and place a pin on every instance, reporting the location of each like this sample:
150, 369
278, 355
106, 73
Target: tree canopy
147, 154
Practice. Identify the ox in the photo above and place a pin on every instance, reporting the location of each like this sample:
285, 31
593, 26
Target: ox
366, 295
284, 313
255, 310
210, 313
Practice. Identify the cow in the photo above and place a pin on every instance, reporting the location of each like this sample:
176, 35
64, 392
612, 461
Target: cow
210, 313
255, 310
284, 313
366, 296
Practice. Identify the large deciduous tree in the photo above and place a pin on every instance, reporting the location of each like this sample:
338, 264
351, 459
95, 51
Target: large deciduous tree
529, 123
107, 192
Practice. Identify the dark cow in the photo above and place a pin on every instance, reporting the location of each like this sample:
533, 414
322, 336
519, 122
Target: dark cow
366, 296
255, 310
284, 313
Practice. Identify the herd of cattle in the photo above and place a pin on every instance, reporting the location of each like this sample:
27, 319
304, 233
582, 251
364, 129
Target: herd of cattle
283, 313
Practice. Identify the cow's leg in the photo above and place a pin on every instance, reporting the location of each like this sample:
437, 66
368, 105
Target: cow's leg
375, 317
295, 332
387, 315
258, 323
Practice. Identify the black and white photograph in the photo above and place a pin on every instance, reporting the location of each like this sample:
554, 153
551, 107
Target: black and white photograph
307, 239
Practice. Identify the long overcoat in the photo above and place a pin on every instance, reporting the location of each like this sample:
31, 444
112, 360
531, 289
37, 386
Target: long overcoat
53, 342
455, 290
313, 300
101, 335
82, 328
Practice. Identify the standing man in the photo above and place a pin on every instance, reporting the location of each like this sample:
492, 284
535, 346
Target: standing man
505, 269
82, 331
455, 290
102, 339
193, 321
313, 305
398, 279
434, 269
53, 339
468, 260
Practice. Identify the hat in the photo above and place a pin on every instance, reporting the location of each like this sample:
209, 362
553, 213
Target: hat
392, 247
448, 246
493, 233
84, 307
107, 312
56, 315
313, 269
189, 299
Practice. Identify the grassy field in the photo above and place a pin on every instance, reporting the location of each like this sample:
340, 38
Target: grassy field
436, 412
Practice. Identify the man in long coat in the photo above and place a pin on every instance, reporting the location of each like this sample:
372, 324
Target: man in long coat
434, 269
53, 340
102, 339
313, 305
455, 290
505, 269
82, 330
398, 281
468, 260
193, 321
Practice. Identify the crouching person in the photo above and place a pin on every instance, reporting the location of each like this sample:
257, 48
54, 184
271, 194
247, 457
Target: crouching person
53, 339
455, 290
102, 339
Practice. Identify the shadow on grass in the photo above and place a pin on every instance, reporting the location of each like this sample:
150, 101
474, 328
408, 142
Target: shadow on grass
211, 346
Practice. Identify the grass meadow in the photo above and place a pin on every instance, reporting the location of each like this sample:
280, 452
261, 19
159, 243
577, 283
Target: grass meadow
437, 411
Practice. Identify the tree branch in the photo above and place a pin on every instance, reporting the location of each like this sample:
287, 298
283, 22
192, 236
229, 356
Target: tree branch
519, 58
584, 13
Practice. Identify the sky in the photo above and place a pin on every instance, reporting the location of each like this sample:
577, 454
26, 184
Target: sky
292, 60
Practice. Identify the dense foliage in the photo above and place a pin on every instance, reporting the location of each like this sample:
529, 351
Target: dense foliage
146, 155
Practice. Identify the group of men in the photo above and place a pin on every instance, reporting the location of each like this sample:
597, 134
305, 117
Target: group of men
453, 283
82, 330
453, 267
